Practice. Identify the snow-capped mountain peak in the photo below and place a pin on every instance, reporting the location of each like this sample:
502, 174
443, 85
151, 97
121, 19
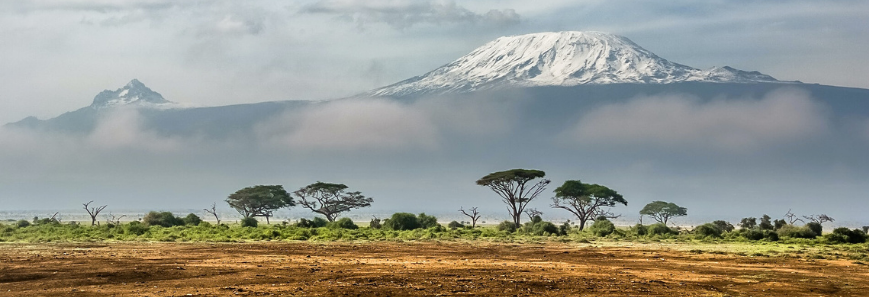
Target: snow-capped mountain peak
559, 59
134, 93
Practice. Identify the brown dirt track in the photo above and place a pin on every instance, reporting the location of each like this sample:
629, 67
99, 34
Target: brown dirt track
414, 268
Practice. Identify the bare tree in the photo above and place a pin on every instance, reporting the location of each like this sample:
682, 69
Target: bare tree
213, 211
792, 218
113, 219
474, 215
93, 211
820, 219
533, 212
54, 217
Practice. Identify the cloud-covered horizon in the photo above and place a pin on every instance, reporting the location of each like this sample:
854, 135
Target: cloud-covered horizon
424, 155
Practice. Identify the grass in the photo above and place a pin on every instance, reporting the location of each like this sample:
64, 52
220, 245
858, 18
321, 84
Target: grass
730, 243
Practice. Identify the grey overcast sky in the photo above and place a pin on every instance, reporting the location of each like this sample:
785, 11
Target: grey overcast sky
55, 55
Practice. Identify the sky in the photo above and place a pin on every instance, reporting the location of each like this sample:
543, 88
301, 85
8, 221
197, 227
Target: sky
56, 55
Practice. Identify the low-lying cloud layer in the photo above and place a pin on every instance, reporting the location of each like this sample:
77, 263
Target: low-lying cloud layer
678, 121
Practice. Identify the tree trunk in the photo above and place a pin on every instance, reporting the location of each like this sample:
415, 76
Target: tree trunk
267, 220
582, 224
93, 221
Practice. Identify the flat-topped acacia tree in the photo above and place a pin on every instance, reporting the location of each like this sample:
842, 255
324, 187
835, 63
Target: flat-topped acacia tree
260, 200
586, 201
662, 211
517, 187
330, 199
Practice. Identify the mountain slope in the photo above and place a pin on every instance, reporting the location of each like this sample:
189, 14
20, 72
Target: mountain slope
559, 59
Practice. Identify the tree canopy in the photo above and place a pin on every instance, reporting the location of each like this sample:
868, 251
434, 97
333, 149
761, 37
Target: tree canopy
260, 200
586, 201
514, 188
662, 211
330, 199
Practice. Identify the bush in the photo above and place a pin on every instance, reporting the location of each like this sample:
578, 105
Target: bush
455, 225
640, 230
192, 219
135, 228
22, 223
602, 227
564, 228
541, 228
402, 221
249, 222
751, 234
845, 235
724, 226
426, 221
770, 235
816, 227
508, 226
304, 223
375, 224
660, 229
344, 223
796, 232
165, 219
708, 230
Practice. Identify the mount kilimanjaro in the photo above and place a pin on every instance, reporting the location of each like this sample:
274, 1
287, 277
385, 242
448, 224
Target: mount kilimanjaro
557, 73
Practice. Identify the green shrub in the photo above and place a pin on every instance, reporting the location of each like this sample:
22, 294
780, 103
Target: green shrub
708, 230
602, 227
22, 223
402, 221
640, 230
344, 223
455, 225
541, 228
660, 229
426, 221
135, 228
816, 227
751, 234
796, 232
192, 220
724, 226
770, 235
508, 226
845, 235
249, 222
165, 219
319, 222
304, 223
375, 224
564, 228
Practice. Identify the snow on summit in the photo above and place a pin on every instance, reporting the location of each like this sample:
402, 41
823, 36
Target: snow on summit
559, 59
134, 93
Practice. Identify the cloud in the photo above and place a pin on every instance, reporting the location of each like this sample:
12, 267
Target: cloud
352, 125
123, 129
402, 14
670, 122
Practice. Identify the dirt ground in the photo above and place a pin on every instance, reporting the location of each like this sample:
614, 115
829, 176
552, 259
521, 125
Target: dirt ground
411, 268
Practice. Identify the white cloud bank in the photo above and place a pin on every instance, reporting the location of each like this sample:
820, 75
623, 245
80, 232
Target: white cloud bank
668, 122
401, 14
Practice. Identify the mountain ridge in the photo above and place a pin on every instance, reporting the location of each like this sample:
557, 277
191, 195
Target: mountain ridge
564, 58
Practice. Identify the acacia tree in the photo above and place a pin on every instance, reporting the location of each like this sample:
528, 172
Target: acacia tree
473, 214
260, 200
93, 211
662, 211
516, 188
330, 199
586, 201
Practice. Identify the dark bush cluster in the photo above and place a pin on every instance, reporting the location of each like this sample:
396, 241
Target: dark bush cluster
316, 222
508, 226
249, 222
343, 223
409, 221
167, 219
455, 225
845, 235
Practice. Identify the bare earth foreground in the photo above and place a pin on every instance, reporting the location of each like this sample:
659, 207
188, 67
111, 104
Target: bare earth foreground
412, 268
